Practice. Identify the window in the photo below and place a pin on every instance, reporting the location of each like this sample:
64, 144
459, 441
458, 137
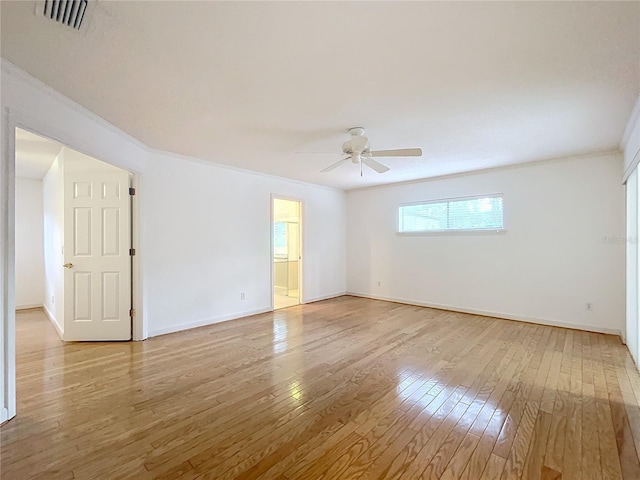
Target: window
457, 214
280, 238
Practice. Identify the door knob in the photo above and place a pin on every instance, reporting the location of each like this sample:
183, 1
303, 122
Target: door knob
68, 265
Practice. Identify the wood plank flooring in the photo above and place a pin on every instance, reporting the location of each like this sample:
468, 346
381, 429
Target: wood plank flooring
347, 388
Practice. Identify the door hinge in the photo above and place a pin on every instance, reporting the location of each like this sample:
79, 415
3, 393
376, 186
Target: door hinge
132, 312
132, 191
132, 251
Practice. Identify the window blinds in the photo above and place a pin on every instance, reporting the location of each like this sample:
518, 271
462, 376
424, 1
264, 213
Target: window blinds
475, 213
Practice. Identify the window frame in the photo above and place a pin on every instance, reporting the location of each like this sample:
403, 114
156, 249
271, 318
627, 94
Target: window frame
452, 231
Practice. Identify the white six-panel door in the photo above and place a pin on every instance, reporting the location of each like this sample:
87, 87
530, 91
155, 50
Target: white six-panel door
97, 279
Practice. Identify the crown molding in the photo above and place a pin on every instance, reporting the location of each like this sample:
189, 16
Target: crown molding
25, 77
533, 163
247, 171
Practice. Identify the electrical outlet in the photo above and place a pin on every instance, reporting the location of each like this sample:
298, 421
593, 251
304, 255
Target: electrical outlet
589, 307
241, 295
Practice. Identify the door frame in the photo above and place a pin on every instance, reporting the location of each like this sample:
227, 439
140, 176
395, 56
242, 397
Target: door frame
301, 282
13, 119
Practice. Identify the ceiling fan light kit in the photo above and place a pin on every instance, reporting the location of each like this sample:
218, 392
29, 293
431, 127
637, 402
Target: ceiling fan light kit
359, 152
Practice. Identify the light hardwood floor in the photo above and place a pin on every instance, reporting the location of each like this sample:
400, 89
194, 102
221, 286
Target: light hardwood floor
346, 388
284, 301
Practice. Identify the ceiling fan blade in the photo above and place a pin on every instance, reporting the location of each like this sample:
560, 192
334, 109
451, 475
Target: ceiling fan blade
400, 152
335, 165
377, 166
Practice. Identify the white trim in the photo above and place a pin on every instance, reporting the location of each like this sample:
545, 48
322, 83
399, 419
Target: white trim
225, 166
52, 319
632, 127
29, 306
634, 120
465, 231
4, 415
631, 167
33, 82
209, 321
7, 264
326, 297
486, 313
140, 324
272, 255
235, 316
453, 199
468, 173
17, 72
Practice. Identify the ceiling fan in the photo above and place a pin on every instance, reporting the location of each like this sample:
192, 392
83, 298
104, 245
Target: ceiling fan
358, 151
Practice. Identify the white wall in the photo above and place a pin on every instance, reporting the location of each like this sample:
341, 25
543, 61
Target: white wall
199, 222
204, 230
53, 205
564, 246
29, 243
205, 234
212, 232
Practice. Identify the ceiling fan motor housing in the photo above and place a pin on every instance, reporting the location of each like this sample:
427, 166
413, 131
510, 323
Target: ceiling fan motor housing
357, 145
359, 152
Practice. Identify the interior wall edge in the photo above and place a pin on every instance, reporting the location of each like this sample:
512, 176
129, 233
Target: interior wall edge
634, 119
635, 161
630, 143
53, 321
8, 404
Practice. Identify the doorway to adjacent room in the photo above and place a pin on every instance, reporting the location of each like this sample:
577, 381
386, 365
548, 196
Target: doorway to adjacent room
286, 252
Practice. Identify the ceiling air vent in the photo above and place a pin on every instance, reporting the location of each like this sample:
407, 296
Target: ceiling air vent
67, 12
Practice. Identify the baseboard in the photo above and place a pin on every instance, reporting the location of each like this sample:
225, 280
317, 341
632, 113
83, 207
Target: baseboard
324, 297
203, 323
486, 313
52, 319
452, 308
29, 307
4, 415
225, 318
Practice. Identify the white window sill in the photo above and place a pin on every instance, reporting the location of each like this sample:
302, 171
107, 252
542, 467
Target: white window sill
471, 231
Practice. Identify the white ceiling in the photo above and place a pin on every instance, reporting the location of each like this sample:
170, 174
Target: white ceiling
251, 84
34, 154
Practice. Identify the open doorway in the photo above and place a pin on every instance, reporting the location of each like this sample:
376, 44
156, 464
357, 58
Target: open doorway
76, 267
287, 252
